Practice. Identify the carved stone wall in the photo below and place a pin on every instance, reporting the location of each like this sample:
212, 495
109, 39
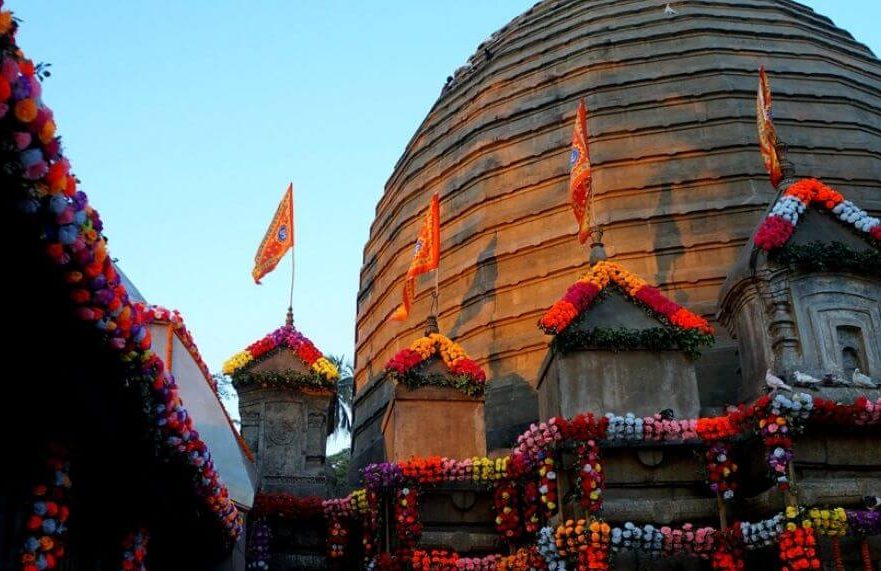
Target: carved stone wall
287, 431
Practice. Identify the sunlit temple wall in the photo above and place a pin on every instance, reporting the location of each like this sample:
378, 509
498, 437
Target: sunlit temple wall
678, 178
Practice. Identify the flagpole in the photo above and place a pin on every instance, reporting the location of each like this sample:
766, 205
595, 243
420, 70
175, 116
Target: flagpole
290, 316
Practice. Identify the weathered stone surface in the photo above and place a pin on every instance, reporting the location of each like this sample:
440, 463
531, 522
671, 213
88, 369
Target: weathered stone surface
286, 430
641, 382
678, 180
433, 421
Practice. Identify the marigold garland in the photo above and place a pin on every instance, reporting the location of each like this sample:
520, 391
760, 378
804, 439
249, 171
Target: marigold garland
777, 228
581, 295
465, 374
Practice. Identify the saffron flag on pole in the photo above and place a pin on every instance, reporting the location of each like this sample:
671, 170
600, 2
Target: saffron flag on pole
279, 237
767, 131
579, 174
426, 256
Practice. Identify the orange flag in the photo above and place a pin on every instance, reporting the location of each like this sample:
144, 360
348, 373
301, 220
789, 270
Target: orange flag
767, 131
426, 256
279, 237
579, 174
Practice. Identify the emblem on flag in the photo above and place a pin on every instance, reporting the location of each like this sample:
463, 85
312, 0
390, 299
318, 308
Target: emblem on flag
279, 237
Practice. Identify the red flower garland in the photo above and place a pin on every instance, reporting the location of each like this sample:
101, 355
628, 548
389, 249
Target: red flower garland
407, 524
134, 554
435, 560
531, 507
798, 550
721, 469
337, 537
587, 430
287, 506
728, 553
506, 503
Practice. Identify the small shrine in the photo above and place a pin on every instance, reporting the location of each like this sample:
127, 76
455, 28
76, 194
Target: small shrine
437, 404
287, 392
620, 345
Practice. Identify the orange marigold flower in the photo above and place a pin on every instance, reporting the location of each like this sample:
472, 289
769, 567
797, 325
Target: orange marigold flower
26, 110
5, 22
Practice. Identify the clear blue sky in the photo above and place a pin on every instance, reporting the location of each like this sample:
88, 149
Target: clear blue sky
186, 120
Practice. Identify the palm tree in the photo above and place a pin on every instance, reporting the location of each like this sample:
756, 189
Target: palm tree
341, 407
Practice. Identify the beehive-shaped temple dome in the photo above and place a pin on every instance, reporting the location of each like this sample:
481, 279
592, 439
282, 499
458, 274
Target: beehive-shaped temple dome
678, 176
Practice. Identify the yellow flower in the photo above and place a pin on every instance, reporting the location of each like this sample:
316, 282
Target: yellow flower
326, 369
237, 361
791, 512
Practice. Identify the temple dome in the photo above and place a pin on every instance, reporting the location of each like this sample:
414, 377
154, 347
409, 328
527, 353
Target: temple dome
679, 180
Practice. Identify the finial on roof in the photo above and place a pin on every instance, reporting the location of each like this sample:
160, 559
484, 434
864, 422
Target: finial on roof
597, 249
431, 325
289, 320
786, 166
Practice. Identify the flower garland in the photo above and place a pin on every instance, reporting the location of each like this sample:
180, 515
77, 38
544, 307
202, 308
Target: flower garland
283, 337
762, 533
258, 545
370, 524
777, 228
728, 555
531, 506
337, 537
581, 295
546, 544
721, 469
798, 549
524, 559
506, 502
465, 374
45, 527
435, 560
134, 550
547, 485
689, 540
287, 506
587, 430
157, 314
407, 524
595, 555
73, 239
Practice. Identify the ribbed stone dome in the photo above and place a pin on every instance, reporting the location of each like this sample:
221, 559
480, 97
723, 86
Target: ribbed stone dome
678, 177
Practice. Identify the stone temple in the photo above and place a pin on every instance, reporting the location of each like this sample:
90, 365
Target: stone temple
679, 181
698, 387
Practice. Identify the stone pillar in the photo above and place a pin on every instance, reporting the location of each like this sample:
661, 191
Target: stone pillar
286, 429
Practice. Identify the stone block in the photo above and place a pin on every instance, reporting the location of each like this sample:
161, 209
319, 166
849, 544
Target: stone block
433, 421
598, 381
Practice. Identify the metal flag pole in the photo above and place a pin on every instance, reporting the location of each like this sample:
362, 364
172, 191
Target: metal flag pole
289, 321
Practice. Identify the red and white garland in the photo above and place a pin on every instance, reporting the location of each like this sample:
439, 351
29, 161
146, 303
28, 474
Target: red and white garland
777, 228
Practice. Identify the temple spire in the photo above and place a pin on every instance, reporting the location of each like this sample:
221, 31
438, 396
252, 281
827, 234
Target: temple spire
597, 248
431, 325
787, 169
